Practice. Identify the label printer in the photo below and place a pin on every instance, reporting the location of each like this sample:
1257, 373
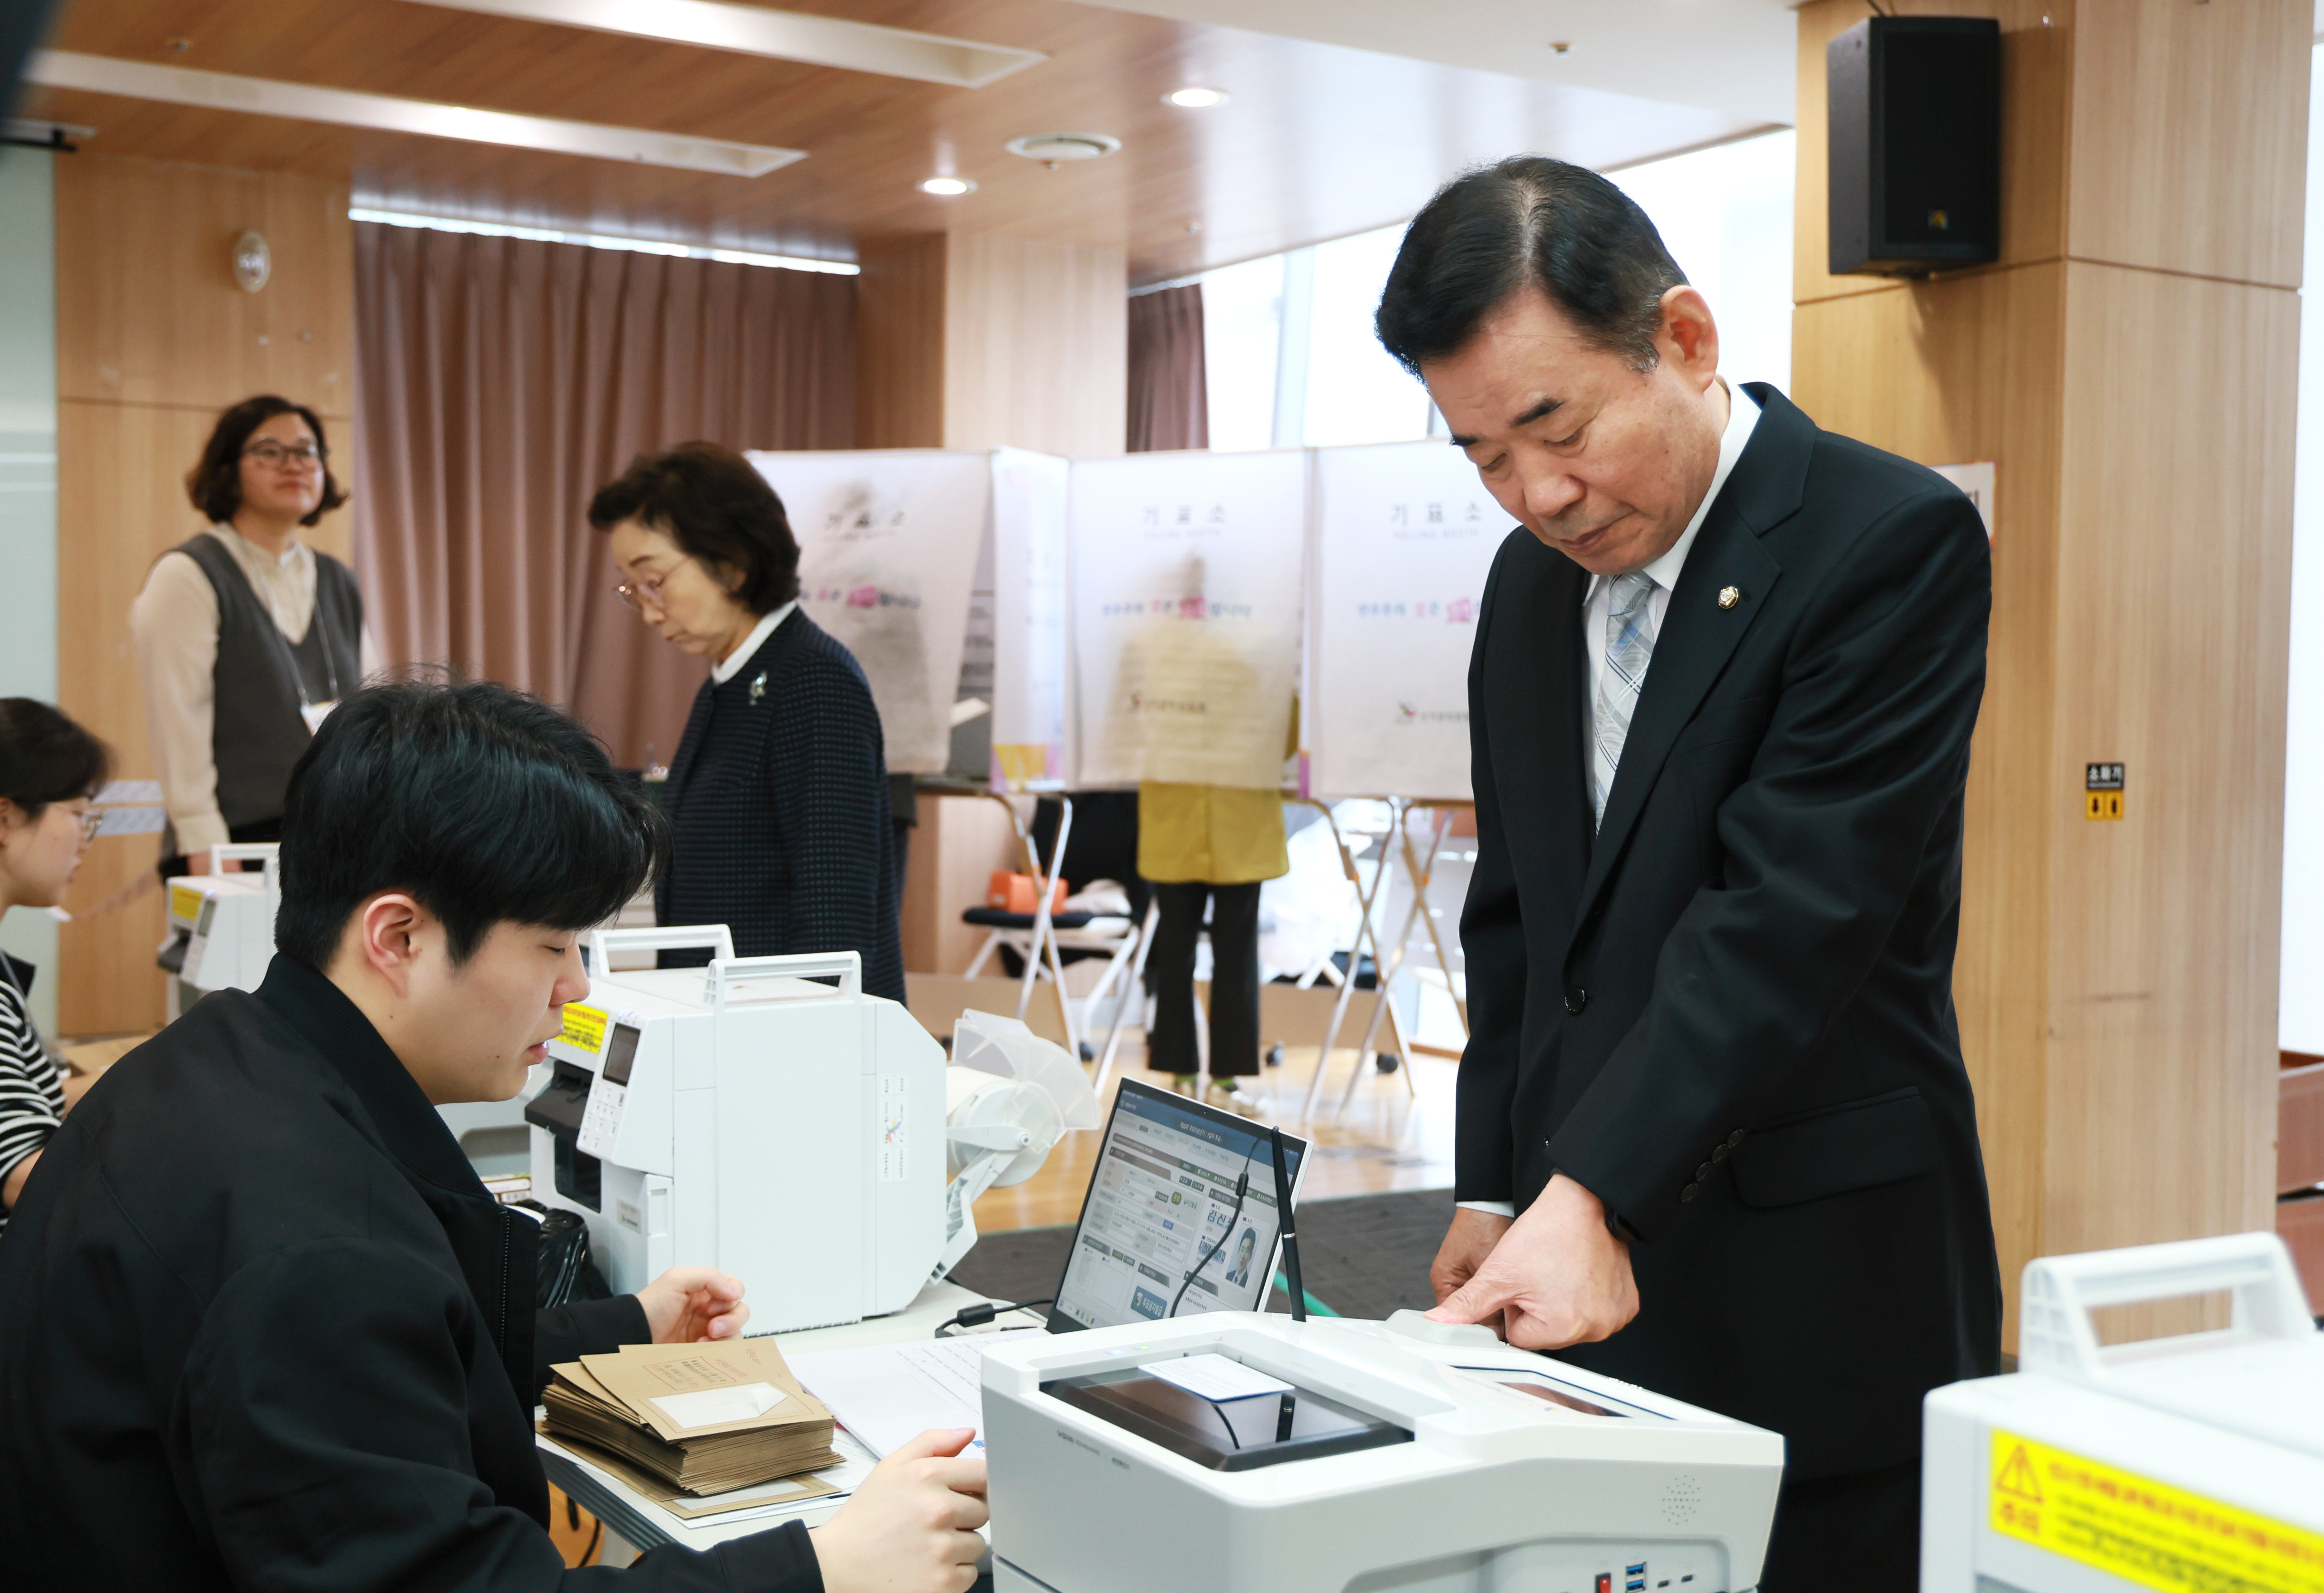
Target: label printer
1245, 1453
2193, 1462
750, 1117
221, 926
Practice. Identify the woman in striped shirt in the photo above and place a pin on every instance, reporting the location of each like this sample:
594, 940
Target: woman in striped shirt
50, 768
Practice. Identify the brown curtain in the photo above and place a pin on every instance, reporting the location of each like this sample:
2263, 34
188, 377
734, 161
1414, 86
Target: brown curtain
501, 382
1169, 401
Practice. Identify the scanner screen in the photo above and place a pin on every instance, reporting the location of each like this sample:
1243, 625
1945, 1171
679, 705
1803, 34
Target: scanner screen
621, 1052
1226, 1435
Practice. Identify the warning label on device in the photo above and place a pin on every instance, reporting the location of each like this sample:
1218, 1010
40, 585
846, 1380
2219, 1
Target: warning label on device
585, 1026
2143, 1531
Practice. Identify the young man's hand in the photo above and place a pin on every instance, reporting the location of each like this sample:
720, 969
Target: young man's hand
694, 1305
911, 1527
1555, 1276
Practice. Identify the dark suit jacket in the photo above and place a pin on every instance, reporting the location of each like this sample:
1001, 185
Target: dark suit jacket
1729, 1013
261, 1327
777, 802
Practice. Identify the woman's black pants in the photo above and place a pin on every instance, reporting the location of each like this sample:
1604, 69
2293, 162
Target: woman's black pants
1234, 979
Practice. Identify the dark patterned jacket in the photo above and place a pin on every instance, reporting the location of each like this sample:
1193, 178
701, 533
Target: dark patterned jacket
777, 802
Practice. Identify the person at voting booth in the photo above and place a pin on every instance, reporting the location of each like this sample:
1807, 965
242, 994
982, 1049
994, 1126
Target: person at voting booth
260, 1324
245, 635
1715, 1134
49, 767
778, 796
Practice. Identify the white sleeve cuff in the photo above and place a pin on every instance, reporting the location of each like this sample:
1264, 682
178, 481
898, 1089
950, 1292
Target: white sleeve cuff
1495, 1207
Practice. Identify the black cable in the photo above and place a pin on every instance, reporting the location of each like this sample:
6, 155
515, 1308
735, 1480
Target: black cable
976, 1316
1242, 1188
1287, 1231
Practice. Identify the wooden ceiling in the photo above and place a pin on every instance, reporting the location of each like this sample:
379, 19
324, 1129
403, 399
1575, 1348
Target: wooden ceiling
1318, 141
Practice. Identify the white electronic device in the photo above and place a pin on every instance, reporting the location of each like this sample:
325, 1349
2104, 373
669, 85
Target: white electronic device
1241, 1453
747, 1116
2194, 1462
221, 925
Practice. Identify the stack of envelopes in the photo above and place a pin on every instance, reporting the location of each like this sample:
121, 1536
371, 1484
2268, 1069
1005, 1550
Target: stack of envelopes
705, 1418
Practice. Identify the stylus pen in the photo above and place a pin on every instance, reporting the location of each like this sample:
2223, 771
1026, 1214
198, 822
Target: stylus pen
1298, 1290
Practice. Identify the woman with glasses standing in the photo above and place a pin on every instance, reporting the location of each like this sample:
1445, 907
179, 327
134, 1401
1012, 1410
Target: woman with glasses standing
778, 797
49, 767
247, 637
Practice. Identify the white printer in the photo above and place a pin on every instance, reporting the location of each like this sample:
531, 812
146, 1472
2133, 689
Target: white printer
2191, 1463
793, 1133
1241, 1453
221, 926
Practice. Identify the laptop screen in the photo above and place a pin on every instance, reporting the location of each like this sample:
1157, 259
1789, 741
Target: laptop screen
1162, 1192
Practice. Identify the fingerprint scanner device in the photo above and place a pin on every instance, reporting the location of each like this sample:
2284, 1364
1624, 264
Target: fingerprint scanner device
1243, 1453
749, 1116
2192, 1462
1162, 1194
221, 925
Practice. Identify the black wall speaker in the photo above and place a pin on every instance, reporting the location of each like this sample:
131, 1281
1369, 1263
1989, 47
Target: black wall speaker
1916, 117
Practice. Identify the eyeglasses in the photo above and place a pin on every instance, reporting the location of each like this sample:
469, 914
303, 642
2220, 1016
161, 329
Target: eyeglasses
92, 820
648, 591
305, 457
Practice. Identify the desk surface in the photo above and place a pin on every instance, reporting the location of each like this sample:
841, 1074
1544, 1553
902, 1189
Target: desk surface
647, 1525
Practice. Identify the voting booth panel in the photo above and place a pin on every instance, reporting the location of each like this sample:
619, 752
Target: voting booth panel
1031, 718
1405, 535
1185, 616
888, 547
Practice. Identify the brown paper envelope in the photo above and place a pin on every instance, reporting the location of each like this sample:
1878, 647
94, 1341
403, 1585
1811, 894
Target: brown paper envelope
641, 1373
784, 1490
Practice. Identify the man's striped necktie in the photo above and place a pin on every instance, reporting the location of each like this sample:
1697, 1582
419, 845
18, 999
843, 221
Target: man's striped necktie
1630, 647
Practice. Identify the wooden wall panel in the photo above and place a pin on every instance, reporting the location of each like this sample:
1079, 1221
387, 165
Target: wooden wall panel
2037, 53
1947, 372
1036, 346
2172, 630
2190, 133
147, 310
153, 338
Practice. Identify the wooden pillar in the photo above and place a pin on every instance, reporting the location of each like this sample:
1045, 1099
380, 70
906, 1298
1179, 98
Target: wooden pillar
154, 340
970, 340
976, 341
2129, 366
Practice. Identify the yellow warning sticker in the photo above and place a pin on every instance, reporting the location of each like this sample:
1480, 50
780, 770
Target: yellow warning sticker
186, 902
585, 1026
2145, 1532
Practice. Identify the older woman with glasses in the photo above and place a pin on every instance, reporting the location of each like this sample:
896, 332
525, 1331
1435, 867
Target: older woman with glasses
49, 767
778, 796
245, 635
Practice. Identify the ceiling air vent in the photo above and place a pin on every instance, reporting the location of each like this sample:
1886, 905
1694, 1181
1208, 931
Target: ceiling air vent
1054, 149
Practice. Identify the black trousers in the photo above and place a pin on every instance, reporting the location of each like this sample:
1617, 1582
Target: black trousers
1859, 1533
256, 832
1234, 979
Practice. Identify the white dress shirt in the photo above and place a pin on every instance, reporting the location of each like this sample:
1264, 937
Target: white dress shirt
728, 667
1742, 416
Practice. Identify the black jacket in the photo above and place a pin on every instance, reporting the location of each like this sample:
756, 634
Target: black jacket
777, 802
1729, 1013
261, 1327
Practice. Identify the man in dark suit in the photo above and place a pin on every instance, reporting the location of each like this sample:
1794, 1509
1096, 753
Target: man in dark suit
1715, 1134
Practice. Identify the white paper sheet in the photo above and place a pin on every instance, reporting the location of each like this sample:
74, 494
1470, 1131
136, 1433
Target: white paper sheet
1215, 1378
887, 1395
708, 1407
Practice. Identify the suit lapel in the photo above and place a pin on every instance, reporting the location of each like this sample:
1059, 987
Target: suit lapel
1540, 683
1698, 636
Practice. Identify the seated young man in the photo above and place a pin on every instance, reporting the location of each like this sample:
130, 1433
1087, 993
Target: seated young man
261, 1327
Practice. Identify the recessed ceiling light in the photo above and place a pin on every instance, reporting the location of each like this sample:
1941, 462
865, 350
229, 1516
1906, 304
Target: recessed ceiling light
947, 186
1195, 99
1055, 147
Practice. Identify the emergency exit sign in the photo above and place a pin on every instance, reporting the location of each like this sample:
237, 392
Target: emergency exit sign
2102, 791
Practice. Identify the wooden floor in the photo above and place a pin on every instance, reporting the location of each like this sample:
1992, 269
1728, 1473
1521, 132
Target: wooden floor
1391, 1138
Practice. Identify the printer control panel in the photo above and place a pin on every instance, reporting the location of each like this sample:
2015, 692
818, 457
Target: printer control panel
601, 1123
